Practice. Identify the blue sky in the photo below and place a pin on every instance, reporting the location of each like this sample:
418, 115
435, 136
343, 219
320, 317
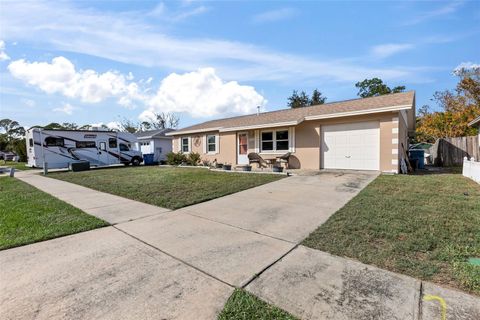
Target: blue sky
99, 62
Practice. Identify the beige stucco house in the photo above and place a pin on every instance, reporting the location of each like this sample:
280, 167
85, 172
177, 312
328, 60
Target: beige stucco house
359, 134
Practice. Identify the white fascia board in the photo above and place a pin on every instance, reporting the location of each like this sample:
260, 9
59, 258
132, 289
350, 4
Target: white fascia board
355, 113
262, 126
179, 133
474, 122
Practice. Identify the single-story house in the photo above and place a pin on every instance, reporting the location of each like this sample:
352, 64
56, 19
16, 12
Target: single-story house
361, 134
156, 142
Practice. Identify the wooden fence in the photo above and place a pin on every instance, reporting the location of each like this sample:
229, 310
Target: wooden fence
451, 151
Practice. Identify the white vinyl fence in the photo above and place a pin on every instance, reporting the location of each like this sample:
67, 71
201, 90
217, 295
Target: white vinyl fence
471, 169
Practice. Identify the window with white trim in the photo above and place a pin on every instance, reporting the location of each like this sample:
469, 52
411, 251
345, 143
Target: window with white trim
211, 143
275, 140
281, 140
185, 145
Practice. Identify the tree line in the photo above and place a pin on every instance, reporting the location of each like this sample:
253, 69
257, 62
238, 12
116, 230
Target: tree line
366, 88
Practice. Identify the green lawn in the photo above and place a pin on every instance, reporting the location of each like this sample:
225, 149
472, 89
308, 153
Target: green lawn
171, 188
29, 215
244, 306
16, 165
423, 226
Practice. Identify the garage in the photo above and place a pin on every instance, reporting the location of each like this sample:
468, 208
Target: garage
351, 146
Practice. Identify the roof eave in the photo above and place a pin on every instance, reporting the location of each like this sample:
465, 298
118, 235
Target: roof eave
475, 121
359, 112
262, 126
178, 133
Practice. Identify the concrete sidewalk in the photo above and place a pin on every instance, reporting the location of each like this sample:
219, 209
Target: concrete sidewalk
312, 284
103, 274
111, 208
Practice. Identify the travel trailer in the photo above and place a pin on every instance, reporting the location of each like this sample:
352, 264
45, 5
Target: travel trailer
60, 148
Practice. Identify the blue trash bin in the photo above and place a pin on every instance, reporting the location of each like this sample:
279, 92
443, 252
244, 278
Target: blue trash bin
148, 159
420, 155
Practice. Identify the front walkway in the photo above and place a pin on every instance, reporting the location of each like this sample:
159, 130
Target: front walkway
185, 263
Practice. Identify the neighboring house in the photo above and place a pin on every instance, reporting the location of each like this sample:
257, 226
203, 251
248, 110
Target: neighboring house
156, 142
361, 134
476, 124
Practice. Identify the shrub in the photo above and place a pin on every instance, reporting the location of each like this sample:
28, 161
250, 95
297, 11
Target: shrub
175, 159
193, 158
20, 148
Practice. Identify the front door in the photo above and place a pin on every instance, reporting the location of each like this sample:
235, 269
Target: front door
242, 148
103, 156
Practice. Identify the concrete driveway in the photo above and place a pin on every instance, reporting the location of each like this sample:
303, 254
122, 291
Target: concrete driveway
179, 264
289, 209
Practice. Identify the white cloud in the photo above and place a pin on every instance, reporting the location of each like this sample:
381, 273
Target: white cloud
67, 108
3, 54
385, 50
161, 11
274, 15
190, 13
445, 10
203, 94
60, 76
129, 39
113, 125
467, 66
28, 102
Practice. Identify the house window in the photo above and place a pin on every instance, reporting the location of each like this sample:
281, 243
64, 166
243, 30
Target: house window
54, 142
185, 145
211, 144
275, 140
281, 140
267, 141
124, 147
85, 144
112, 143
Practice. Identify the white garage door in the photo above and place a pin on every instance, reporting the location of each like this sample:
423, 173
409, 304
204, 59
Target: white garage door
351, 146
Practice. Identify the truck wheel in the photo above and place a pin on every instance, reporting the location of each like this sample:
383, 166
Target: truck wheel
135, 161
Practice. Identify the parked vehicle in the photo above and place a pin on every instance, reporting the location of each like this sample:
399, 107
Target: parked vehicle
59, 148
7, 155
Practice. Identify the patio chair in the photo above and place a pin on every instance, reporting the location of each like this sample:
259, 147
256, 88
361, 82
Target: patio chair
284, 159
256, 158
